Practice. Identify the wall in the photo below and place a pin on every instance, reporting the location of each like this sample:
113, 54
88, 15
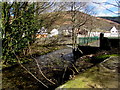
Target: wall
108, 43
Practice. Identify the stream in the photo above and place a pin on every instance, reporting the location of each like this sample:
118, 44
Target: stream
64, 54
54, 67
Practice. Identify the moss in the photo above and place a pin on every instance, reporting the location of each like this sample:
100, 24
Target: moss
84, 80
100, 58
78, 82
91, 78
115, 55
86, 59
95, 77
106, 56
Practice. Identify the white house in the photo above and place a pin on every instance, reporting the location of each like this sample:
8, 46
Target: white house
54, 32
107, 34
114, 32
42, 30
92, 34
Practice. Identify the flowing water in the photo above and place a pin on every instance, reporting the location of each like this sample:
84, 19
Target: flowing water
17, 78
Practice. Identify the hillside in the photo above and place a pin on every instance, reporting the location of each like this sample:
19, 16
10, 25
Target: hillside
114, 19
64, 20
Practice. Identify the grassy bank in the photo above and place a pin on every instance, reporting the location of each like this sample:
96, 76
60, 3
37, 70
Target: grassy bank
35, 51
99, 76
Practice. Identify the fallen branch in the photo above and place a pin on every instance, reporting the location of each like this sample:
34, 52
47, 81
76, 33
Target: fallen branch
64, 72
39, 67
41, 71
29, 71
75, 68
73, 73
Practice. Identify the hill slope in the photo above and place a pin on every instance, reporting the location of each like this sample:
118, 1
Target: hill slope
64, 19
114, 19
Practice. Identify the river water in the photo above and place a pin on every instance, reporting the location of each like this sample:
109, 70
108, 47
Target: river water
51, 64
64, 54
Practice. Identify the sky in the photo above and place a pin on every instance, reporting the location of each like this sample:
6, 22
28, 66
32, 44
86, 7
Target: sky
101, 8
106, 9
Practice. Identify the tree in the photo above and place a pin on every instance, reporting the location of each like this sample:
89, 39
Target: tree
13, 28
78, 19
19, 27
20, 22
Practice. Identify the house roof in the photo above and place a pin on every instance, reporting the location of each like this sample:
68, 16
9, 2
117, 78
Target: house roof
113, 28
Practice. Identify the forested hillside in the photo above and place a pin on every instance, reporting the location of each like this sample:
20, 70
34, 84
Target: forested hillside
115, 19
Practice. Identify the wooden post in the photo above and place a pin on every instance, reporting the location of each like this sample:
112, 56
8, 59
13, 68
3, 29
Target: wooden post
101, 40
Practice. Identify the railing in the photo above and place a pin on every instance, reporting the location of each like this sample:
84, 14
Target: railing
86, 40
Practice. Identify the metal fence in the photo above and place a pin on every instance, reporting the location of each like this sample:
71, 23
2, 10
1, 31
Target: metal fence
86, 40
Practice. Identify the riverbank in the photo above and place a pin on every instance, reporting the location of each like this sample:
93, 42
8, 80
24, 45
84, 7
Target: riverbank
55, 66
103, 75
15, 77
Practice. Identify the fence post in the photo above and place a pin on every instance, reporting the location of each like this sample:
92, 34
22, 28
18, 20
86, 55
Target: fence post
78, 41
101, 40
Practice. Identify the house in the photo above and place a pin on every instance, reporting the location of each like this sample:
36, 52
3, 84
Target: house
65, 30
82, 32
114, 31
54, 32
42, 33
93, 34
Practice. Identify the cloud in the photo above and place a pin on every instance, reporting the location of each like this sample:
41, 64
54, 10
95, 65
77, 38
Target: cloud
103, 9
106, 14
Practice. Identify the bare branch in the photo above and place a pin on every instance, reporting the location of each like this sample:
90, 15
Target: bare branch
29, 71
112, 4
42, 72
107, 8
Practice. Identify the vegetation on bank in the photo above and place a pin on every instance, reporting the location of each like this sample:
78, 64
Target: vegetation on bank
36, 50
53, 68
20, 23
99, 76
18, 29
101, 57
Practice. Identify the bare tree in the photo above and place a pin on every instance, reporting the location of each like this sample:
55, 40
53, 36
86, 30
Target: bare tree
78, 18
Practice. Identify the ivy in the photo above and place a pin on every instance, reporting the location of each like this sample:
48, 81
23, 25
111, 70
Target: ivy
18, 28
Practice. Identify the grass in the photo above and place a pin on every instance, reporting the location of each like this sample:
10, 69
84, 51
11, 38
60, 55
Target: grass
105, 56
100, 58
35, 51
83, 80
92, 78
41, 50
78, 82
95, 77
